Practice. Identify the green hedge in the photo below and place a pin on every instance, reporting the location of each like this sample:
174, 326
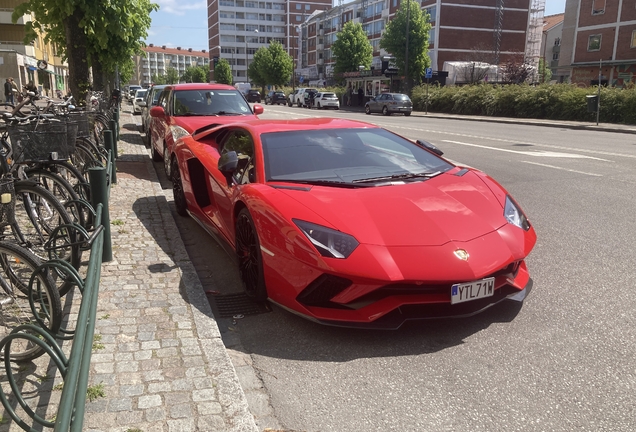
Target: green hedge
556, 101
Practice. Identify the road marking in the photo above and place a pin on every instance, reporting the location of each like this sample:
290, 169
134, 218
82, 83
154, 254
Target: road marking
563, 169
530, 153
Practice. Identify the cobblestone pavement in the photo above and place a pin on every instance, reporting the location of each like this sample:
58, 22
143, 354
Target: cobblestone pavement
159, 359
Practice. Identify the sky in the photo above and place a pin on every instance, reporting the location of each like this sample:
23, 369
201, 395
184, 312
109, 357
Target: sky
184, 23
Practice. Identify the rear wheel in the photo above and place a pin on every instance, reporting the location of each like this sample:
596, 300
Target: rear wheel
407, 114
367, 110
385, 111
248, 250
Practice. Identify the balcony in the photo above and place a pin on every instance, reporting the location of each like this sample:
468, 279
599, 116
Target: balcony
385, 13
556, 48
320, 61
321, 32
554, 64
320, 47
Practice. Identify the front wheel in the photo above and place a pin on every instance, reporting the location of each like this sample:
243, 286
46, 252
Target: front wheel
248, 251
367, 110
177, 190
407, 114
289, 104
385, 111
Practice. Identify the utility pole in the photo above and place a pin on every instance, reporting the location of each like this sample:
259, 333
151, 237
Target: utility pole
406, 55
598, 97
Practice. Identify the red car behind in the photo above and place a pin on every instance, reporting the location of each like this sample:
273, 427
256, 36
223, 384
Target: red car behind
183, 109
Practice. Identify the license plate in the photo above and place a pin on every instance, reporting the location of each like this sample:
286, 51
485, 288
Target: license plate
468, 291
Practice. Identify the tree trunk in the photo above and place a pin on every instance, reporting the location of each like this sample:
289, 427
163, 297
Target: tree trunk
99, 79
76, 41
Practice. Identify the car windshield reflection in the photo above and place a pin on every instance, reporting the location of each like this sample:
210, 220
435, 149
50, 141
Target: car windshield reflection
348, 156
209, 102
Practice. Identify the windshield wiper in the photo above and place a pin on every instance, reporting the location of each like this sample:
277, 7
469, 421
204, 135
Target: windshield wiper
191, 114
404, 176
334, 183
226, 113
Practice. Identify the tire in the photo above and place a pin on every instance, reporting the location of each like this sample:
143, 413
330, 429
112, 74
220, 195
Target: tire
33, 234
248, 251
177, 190
289, 103
167, 163
367, 110
18, 265
61, 189
319, 107
385, 111
154, 155
299, 105
406, 114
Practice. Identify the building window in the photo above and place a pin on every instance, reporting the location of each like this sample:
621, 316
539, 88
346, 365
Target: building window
555, 56
306, 7
297, 17
594, 43
633, 44
557, 42
298, 6
598, 7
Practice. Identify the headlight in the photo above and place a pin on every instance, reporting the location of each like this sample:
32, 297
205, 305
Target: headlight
330, 243
514, 215
178, 132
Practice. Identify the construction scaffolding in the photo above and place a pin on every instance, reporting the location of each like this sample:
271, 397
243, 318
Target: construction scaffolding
534, 33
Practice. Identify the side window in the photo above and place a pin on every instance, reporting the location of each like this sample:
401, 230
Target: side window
163, 99
240, 141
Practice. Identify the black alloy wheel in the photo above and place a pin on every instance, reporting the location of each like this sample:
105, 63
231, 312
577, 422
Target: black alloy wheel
248, 251
177, 190
407, 113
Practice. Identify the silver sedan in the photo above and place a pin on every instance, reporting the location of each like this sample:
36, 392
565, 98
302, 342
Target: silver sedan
389, 103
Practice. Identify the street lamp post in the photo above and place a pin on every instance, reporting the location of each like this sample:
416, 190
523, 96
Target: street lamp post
247, 78
406, 55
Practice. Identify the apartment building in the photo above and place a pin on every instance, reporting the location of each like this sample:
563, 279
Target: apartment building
37, 62
156, 61
599, 38
238, 28
551, 44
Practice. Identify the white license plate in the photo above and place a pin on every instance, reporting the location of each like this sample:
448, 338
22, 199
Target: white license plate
468, 291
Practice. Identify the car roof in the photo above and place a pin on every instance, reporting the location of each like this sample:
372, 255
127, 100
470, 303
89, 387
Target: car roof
200, 86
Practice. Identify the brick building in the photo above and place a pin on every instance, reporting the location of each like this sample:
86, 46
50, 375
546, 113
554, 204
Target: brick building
599, 37
157, 60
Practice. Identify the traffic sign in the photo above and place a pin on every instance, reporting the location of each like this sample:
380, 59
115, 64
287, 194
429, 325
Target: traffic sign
428, 73
301, 79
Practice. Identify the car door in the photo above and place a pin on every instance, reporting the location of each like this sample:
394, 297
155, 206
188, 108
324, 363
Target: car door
160, 125
379, 103
240, 141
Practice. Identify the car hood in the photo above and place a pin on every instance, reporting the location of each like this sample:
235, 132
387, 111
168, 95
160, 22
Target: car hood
194, 123
426, 213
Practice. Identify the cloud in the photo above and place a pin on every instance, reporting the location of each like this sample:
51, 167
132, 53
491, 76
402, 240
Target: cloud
177, 7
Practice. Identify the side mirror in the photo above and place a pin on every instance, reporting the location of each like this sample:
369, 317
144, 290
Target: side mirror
228, 164
430, 147
258, 109
142, 104
157, 111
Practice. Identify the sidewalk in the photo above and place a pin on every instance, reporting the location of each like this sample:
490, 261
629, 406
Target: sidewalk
163, 364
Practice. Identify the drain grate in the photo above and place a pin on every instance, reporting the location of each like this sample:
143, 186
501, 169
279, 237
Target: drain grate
229, 305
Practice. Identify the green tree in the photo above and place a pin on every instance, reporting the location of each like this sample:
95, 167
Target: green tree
394, 40
195, 74
223, 72
352, 48
172, 76
257, 69
158, 79
281, 65
545, 73
89, 33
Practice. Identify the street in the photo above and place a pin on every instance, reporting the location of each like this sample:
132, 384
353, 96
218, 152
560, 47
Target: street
565, 360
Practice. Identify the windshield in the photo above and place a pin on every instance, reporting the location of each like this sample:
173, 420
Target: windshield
347, 156
140, 94
209, 102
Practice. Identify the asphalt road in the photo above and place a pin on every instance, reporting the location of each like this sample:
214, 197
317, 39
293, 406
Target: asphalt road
564, 361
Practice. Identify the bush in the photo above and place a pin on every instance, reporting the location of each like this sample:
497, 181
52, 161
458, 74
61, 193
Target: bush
545, 101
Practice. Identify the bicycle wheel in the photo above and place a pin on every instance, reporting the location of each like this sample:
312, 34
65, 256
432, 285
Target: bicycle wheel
61, 189
38, 213
42, 307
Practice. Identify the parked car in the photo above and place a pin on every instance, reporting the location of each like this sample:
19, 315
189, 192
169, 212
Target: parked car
253, 95
267, 189
275, 97
298, 96
131, 92
326, 100
183, 109
389, 103
152, 97
140, 96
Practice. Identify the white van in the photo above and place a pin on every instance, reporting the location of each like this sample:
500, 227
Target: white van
243, 87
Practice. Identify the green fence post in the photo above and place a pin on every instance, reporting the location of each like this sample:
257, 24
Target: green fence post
108, 143
114, 127
99, 195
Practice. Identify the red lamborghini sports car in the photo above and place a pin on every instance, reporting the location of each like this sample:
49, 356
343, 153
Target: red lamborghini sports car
349, 224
